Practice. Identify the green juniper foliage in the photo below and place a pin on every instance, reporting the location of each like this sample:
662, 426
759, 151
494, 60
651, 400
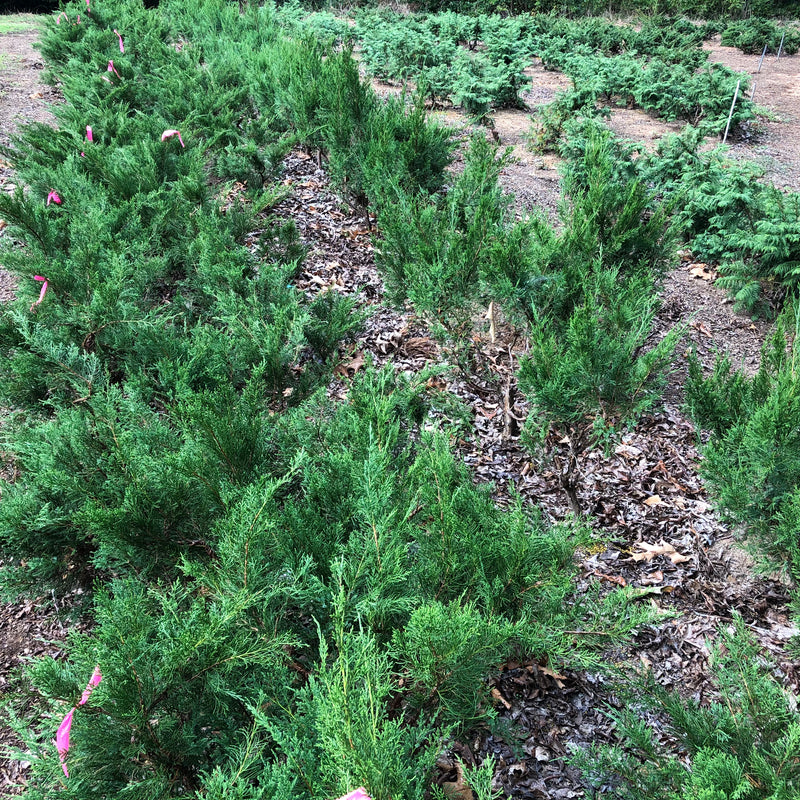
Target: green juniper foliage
743, 745
584, 294
264, 567
752, 35
751, 461
661, 68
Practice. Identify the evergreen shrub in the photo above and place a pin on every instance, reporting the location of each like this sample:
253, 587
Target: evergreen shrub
751, 35
264, 566
751, 461
742, 743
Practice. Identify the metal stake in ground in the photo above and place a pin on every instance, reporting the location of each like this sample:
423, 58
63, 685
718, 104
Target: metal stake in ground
753, 92
763, 53
730, 116
780, 49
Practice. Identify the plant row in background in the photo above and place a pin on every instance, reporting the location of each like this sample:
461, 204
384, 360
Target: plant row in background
479, 62
290, 597
704, 9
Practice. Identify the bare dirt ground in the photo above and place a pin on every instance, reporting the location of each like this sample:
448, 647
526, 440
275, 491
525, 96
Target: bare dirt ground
646, 491
775, 142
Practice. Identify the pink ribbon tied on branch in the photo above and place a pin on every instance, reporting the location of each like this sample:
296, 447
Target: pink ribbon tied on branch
42, 293
112, 68
357, 794
58, 18
121, 46
89, 136
53, 197
171, 133
62, 735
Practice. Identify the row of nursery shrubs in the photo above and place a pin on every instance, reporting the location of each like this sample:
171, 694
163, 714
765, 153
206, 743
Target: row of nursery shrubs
585, 297
704, 9
479, 62
291, 597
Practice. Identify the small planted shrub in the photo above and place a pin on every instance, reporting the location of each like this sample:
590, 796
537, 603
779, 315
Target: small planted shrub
742, 743
751, 459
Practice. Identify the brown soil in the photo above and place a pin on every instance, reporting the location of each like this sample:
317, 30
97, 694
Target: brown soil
776, 139
641, 127
22, 99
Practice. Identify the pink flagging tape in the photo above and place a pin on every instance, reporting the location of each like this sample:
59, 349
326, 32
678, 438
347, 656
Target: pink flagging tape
62, 734
62, 740
357, 794
169, 134
121, 46
42, 293
93, 681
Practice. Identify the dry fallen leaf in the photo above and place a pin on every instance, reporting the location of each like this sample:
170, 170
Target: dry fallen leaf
457, 789
347, 369
627, 450
420, 347
660, 549
701, 271
653, 578
554, 675
703, 328
541, 754
618, 579
499, 698
653, 500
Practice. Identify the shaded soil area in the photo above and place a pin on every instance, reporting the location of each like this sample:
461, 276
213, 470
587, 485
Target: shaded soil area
654, 527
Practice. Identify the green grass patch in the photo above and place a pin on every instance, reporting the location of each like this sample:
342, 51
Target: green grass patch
18, 23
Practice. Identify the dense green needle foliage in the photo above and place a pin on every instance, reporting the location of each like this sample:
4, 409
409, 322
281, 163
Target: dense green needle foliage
729, 216
479, 62
700, 9
753, 458
584, 294
752, 35
291, 597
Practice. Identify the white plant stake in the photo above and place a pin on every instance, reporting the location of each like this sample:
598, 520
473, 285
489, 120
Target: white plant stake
763, 53
780, 48
730, 116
